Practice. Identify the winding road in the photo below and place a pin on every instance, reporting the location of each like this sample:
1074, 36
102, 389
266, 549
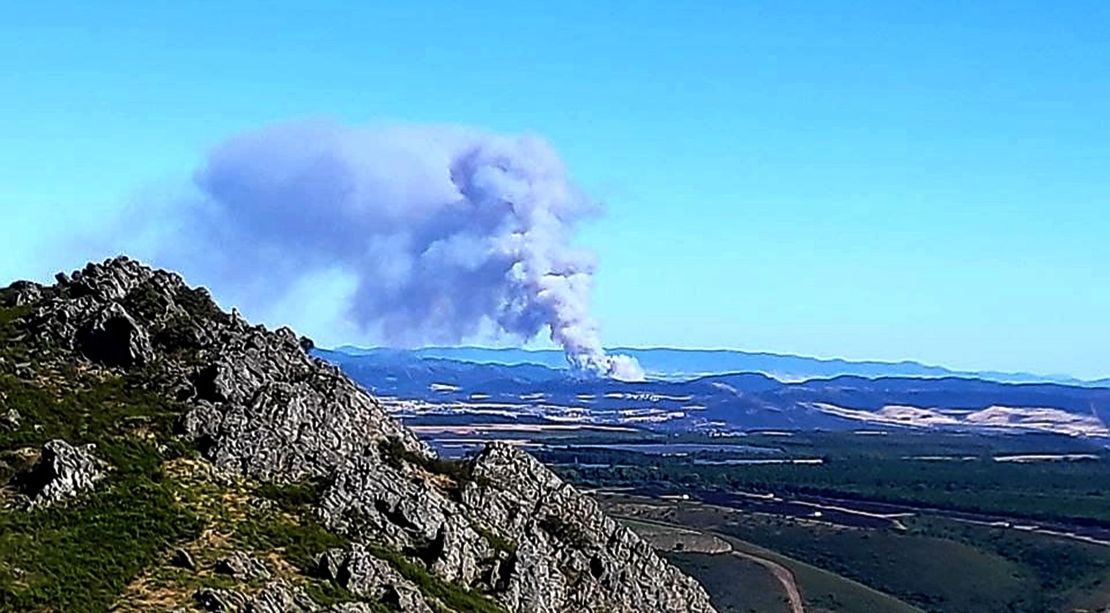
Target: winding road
778, 571
783, 574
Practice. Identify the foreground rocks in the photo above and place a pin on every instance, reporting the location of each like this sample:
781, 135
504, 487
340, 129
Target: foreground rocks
276, 597
61, 471
257, 405
243, 567
260, 405
10, 419
371, 578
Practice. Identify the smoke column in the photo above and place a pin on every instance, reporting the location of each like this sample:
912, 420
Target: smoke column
448, 231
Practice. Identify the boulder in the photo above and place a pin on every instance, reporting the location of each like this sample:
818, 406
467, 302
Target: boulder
280, 597
277, 597
10, 420
242, 566
21, 293
61, 471
371, 578
221, 601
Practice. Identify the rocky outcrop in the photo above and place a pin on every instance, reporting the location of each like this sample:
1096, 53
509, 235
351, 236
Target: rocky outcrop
280, 597
113, 338
371, 578
21, 293
242, 566
10, 419
61, 471
258, 405
277, 597
572, 557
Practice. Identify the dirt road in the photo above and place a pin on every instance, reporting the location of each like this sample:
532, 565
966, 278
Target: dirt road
780, 572
783, 574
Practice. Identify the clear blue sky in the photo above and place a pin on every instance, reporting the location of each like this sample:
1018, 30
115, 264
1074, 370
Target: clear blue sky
916, 179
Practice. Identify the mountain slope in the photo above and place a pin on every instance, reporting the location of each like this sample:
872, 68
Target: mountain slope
191, 460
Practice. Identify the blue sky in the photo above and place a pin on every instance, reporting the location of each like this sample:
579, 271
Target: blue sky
924, 180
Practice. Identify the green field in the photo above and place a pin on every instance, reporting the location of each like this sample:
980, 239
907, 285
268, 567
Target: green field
935, 565
875, 468
826, 592
933, 573
736, 584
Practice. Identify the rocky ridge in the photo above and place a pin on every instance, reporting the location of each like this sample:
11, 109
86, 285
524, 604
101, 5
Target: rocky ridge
258, 409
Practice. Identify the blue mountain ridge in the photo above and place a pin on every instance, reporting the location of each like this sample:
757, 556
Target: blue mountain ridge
678, 364
725, 401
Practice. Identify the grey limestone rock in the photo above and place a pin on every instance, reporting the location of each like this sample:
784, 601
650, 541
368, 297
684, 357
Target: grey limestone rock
371, 578
242, 566
350, 607
280, 597
113, 338
61, 471
22, 293
221, 601
572, 557
260, 406
10, 419
277, 597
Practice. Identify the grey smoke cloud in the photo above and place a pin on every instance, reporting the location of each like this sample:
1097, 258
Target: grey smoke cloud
447, 231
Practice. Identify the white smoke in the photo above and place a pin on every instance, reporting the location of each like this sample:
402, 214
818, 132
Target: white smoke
448, 231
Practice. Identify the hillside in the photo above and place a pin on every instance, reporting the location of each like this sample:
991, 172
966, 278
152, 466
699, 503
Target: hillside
157, 453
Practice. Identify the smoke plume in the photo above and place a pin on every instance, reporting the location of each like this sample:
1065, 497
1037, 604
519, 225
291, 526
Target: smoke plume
448, 232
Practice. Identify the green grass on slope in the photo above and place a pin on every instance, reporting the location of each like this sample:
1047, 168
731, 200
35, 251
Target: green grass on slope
78, 557
109, 548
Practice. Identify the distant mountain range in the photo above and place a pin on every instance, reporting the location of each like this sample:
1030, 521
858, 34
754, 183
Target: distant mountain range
683, 364
437, 390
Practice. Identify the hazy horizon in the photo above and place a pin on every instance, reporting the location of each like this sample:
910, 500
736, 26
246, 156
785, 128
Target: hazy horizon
751, 352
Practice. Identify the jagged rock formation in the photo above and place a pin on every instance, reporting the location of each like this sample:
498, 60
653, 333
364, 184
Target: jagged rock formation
62, 471
243, 566
257, 405
370, 577
276, 597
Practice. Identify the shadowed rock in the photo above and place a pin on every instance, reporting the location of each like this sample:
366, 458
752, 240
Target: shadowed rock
277, 597
221, 601
183, 559
280, 597
113, 338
